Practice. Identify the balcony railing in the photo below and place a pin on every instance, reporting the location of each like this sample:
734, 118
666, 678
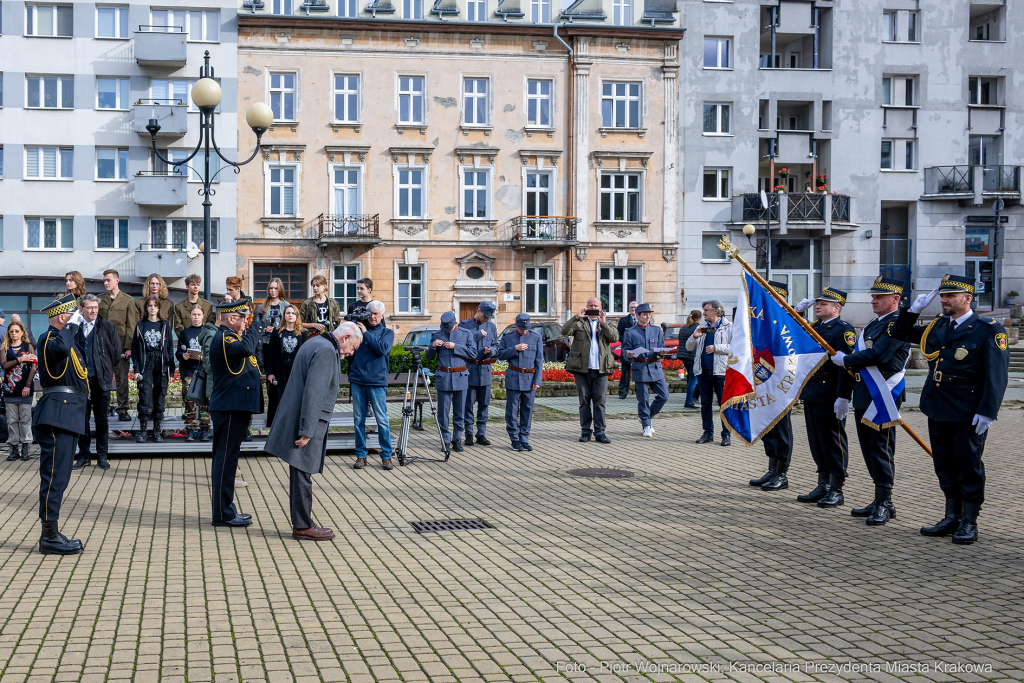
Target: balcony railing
1000, 178
753, 211
160, 45
355, 227
841, 208
805, 206
965, 182
949, 180
801, 206
531, 229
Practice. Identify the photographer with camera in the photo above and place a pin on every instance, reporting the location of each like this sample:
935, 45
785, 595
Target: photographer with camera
368, 382
711, 344
591, 362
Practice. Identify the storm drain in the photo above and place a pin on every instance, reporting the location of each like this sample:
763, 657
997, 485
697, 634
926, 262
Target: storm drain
449, 525
601, 473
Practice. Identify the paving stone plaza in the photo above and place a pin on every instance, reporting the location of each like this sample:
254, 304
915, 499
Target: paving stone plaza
680, 572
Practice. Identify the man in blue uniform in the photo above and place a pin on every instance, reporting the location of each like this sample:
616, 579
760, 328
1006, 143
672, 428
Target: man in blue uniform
237, 394
59, 417
524, 350
452, 347
890, 356
639, 344
969, 364
826, 431
485, 339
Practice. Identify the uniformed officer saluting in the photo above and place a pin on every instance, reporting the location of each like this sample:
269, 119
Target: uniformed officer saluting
638, 344
890, 356
237, 394
452, 347
969, 365
485, 338
59, 417
524, 350
826, 430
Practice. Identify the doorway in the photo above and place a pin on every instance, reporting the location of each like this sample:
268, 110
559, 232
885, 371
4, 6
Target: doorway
980, 264
468, 309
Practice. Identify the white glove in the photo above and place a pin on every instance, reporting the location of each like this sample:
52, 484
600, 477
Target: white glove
838, 358
76, 319
922, 301
842, 408
981, 424
803, 305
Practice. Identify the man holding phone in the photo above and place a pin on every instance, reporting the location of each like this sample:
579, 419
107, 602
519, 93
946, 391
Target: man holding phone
591, 362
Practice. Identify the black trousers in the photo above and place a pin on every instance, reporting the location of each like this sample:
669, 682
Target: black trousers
708, 384
879, 449
56, 453
826, 437
99, 405
300, 494
152, 392
275, 392
592, 389
778, 441
229, 426
956, 455
624, 380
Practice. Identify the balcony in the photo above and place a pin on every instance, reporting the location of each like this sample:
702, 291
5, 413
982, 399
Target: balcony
972, 185
348, 230
155, 188
169, 261
796, 209
543, 231
172, 115
160, 46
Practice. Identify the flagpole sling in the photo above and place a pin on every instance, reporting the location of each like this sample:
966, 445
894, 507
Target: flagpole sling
725, 245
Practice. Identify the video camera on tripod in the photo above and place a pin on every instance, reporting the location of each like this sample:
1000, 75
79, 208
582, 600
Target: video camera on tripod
416, 372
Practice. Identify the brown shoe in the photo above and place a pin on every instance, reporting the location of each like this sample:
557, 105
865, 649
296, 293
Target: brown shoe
314, 533
360, 464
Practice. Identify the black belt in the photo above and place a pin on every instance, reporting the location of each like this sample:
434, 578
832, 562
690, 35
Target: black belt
65, 390
941, 378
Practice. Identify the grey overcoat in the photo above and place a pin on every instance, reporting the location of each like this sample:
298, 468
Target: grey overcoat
306, 406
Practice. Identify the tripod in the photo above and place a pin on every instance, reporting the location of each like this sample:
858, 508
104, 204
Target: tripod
417, 373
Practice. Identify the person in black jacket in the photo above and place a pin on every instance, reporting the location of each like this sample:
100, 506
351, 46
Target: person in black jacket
190, 357
153, 356
626, 322
692, 322
102, 348
284, 344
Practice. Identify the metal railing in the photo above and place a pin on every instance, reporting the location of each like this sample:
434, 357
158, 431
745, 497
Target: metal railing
951, 179
364, 225
171, 101
160, 28
544, 228
806, 206
1000, 178
841, 208
753, 211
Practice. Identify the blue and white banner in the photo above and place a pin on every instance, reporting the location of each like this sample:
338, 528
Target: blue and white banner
882, 413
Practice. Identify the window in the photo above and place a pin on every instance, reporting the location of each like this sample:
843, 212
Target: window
716, 183
49, 163
111, 163
908, 89
198, 167
1, 162
538, 194
111, 233
886, 91
898, 91
912, 27
983, 150
50, 233
474, 194
474, 91
203, 26
618, 287
282, 96
410, 99
293, 277
49, 20
709, 250
910, 165
112, 93
536, 290
716, 53
282, 190
538, 103
886, 154
412, 9
345, 285
620, 197
410, 289
1, 82
716, 118
50, 92
982, 90
176, 239
159, 167
346, 98
476, 10
348, 9
410, 193
112, 22
282, 7
620, 105
346, 192
169, 92
622, 12
889, 26
540, 11
198, 233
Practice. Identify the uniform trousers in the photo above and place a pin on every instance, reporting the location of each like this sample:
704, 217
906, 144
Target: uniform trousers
956, 456
121, 374
229, 426
98, 404
481, 398
646, 411
56, 453
519, 414
300, 496
455, 402
879, 449
826, 437
778, 441
152, 392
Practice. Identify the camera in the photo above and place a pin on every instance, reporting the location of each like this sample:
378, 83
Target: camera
593, 313
360, 315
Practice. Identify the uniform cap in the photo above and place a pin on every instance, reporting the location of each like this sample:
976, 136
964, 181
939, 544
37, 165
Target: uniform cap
447, 318
643, 308
830, 294
487, 308
240, 306
886, 285
781, 288
65, 304
523, 321
950, 283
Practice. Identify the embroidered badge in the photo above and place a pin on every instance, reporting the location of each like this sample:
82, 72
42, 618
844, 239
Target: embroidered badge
850, 338
868, 343
1001, 341
960, 354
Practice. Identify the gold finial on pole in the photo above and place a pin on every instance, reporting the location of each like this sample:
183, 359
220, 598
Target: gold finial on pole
725, 245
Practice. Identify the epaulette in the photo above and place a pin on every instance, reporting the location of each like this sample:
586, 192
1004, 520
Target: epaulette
990, 321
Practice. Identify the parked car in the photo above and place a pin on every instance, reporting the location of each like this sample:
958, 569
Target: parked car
672, 336
556, 347
419, 337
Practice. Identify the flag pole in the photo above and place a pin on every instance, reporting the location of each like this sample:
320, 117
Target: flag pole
734, 253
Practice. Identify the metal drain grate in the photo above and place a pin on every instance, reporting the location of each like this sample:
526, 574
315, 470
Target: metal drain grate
601, 473
449, 525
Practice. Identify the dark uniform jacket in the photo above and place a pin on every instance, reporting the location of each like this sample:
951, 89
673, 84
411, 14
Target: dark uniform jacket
464, 350
646, 366
106, 351
625, 322
480, 365
957, 389
61, 364
823, 386
236, 376
887, 354
531, 359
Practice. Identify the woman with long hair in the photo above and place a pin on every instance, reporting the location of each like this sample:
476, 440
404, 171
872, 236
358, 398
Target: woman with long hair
74, 284
268, 317
153, 356
155, 286
18, 359
692, 321
285, 341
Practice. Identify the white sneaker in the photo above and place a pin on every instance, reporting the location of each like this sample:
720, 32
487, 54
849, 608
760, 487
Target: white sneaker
238, 479
648, 431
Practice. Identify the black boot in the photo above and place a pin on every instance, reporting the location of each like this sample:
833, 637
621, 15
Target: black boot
834, 497
52, 542
967, 532
949, 523
24, 452
102, 461
883, 510
82, 461
457, 445
469, 439
157, 436
819, 491
780, 481
14, 453
140, 435
706, 438
773, 466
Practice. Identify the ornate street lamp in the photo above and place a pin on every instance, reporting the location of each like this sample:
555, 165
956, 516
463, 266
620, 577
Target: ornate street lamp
206, 95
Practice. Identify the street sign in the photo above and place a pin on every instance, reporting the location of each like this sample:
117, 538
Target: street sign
986, 219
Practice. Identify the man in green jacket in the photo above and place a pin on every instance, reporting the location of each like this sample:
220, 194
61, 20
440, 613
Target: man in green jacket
591, 362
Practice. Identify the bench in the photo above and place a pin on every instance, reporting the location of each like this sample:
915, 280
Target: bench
396, 379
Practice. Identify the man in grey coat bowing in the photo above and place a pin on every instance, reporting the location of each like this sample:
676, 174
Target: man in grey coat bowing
299, 434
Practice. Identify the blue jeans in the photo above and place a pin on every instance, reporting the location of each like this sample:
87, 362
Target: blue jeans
691, 382
376, 397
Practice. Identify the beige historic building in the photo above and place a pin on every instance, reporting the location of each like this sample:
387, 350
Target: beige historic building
457, 161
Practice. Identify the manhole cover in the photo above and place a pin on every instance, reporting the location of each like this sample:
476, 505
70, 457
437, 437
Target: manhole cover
601, 473
449, 525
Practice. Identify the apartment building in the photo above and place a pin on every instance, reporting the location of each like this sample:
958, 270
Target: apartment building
518, 153
907, 117
79, 187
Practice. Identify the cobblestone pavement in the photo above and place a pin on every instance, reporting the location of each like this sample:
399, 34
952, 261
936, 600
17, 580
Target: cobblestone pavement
681, 564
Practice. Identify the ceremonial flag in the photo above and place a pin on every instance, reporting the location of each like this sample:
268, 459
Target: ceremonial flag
771, 358
882, 412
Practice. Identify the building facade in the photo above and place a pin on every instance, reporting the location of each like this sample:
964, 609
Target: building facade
463, 153
907, 116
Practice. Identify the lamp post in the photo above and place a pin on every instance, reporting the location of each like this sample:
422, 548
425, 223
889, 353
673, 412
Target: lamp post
749, 231
206, 95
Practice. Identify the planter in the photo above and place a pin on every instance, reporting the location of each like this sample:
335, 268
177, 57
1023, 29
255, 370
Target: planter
1011, 300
